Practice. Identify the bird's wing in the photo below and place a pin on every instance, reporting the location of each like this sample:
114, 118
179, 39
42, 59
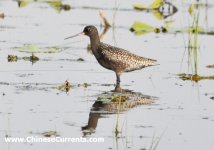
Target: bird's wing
128, 61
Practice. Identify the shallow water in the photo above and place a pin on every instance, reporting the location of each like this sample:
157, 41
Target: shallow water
30, 103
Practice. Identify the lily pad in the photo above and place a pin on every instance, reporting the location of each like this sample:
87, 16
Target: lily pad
56, 4
32, 48
141, 28
23, 3
139, 6
194, 77
156, 4
50, 134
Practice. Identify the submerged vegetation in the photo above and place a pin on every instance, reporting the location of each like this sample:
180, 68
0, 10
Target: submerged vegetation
32, 58
194, 77
111, 101
56, 4
50, 134
12, 58
159, 8
115, 103
140, 28
193, 47
33, 48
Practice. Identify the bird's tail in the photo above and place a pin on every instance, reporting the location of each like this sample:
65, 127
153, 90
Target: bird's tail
151, 62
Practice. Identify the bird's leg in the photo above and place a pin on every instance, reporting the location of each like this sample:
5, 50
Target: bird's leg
118, 78
117, 87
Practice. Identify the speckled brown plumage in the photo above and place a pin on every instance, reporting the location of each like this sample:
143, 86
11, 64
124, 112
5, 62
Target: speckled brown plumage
120, 60
114, 58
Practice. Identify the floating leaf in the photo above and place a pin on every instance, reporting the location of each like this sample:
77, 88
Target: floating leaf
191, 9
158, 15
56, 4
23, 3
194, 77
168, 23
139, 6
156, 4
141, 28
50, 134
194, 6
32, 48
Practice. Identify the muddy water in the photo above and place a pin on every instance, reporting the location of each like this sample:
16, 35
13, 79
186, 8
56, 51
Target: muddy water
31, 103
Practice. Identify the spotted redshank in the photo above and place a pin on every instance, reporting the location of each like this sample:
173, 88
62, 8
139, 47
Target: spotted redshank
114, 58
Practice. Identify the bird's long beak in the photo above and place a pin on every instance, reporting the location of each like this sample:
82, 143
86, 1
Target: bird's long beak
82, 33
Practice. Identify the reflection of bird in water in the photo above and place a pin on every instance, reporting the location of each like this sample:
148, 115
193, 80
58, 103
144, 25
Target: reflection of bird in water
114, 58
109, 102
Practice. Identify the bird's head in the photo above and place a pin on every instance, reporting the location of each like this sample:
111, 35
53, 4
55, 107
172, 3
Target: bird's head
88, 31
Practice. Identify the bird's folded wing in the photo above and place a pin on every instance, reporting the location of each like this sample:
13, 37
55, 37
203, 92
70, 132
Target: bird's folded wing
126, 59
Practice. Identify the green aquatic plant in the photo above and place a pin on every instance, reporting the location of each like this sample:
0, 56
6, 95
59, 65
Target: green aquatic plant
33, 48
159, 8
65, 87
50, 134
194, 77
193, 48
117, 131
23, 3
155, 5
33, 58
12, 58
56, 4
119, 99
156, 141
195, 45
195, 6
139, 6
140, 28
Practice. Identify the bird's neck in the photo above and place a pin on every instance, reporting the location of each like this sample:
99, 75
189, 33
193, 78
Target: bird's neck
95, 41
